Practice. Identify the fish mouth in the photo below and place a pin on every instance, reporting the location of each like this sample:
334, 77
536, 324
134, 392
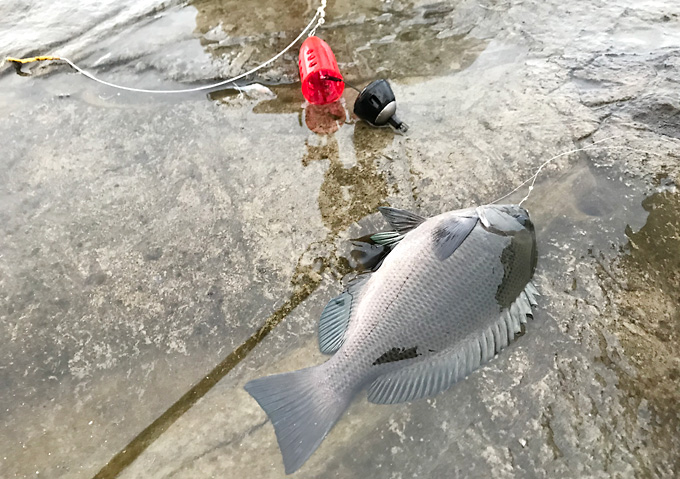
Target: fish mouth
524, 219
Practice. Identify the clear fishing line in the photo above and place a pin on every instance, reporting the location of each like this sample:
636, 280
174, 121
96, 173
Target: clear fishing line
592, 146
317, 20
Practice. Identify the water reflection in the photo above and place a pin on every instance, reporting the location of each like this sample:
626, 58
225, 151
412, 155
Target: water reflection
348, 194
325, 119
370, 39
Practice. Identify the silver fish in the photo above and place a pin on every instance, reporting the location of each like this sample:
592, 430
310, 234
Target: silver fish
452, 291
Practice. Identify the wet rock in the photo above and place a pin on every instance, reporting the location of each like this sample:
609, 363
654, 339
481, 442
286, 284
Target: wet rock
158, 254
660, 115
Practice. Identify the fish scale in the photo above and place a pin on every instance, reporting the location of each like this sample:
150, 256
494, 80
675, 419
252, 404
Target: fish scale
451, 291
402, 326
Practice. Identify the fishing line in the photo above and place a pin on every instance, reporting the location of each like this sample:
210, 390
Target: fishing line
317, 20
332, 78
592, 146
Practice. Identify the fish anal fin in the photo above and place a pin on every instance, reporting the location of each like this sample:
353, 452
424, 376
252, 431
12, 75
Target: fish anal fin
439, 371
424, 378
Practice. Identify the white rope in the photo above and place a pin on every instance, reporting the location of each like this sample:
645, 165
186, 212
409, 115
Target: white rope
317, 20
321, 12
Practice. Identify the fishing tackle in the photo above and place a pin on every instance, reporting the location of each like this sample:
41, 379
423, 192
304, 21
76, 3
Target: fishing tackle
322, 82
377, 105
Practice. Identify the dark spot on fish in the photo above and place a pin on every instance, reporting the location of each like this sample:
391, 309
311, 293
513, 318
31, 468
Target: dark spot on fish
503, 295
397, 354
519, 262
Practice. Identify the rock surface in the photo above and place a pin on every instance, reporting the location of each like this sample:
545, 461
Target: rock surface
146, 240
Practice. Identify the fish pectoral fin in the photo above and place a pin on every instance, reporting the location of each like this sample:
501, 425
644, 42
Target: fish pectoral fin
335, 317
333, 323
401, 220
438, 372
449, 235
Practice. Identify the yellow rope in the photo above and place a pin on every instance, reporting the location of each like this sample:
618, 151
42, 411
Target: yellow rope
30, 60
317, 20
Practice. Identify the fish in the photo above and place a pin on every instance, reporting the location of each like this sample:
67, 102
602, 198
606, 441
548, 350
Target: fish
446, 295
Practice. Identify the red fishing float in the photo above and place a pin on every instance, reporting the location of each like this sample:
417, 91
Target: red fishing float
322, 82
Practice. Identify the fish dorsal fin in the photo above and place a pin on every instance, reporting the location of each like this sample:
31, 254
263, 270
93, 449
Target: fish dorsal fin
440, 371
401, 220
451, 233
335, 317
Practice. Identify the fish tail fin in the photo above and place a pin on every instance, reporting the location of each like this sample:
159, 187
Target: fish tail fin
302, 409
